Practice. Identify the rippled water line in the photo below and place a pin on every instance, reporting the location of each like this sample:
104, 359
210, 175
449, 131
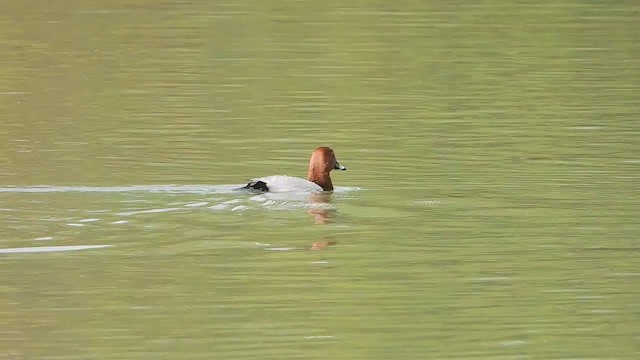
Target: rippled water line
219, 189
141, 188
39, 249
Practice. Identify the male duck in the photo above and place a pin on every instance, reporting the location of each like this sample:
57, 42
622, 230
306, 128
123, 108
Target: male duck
323, 160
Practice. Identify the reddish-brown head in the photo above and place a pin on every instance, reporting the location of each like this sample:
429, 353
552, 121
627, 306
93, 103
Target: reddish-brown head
323, 160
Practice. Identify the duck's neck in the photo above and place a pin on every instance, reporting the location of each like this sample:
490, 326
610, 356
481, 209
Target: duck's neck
323, 180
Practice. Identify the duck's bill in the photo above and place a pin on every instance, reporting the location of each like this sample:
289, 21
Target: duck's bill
339, 167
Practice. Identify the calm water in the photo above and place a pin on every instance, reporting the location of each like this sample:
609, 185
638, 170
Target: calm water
490, 210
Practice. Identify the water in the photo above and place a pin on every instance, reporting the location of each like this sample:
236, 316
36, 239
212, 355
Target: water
489, 210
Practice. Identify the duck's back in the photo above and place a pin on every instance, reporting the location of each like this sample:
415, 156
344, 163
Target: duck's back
283, 183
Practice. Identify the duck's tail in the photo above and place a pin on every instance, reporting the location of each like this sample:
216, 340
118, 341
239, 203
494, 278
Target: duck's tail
258, 185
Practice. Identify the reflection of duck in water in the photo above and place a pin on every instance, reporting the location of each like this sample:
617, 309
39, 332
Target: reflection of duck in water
318, 210
321, 215
321, 244
322, 161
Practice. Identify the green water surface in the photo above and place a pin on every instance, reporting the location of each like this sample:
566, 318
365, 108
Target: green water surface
490, 209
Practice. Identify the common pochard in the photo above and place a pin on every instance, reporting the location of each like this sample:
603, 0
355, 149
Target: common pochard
322, 161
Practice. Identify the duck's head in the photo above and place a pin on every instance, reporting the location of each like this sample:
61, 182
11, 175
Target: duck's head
323, 160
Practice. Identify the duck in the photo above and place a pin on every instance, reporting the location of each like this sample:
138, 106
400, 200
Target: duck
322, 161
